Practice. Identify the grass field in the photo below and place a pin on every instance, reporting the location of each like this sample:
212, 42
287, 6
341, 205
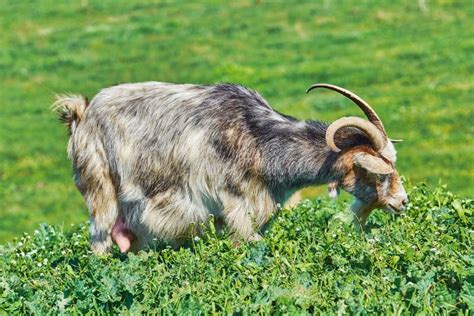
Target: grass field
311, 261
415, 67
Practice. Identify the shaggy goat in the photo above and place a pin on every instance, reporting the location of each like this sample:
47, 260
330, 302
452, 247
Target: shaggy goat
152, 159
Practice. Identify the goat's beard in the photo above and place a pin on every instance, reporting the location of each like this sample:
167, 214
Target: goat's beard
361, 211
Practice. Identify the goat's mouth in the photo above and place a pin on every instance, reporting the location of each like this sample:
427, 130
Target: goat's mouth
392, 209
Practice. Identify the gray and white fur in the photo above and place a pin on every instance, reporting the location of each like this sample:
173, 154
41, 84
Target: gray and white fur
164, 157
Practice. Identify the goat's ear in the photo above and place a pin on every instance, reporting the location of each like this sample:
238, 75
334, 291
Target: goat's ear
372, 164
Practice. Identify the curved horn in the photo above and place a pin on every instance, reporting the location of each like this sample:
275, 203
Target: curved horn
394, 141
364, 106
374, 134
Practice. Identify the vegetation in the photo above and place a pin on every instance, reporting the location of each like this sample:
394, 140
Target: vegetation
311, 260
414, 65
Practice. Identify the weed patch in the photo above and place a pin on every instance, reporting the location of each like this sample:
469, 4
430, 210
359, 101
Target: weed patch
311, 260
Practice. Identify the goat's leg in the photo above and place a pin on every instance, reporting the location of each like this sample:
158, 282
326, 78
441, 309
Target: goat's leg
361, 212
239, 216
104, 214
93, 180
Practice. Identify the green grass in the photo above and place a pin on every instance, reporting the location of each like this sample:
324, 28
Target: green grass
310, 261
415, 68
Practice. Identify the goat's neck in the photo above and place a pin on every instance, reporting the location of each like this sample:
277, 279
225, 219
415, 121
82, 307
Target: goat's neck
299, 157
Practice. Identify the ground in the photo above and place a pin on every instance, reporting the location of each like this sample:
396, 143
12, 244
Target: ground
311, 261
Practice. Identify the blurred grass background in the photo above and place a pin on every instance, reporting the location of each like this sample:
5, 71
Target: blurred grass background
413, 62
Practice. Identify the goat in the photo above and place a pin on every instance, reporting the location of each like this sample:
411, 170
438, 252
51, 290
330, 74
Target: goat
153, 159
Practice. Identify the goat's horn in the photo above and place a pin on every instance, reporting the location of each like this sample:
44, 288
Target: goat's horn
364, 106
374, 134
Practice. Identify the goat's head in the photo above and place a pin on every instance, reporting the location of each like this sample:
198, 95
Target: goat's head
367, 170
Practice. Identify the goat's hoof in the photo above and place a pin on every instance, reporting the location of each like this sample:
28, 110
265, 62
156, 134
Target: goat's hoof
255, 237
101, 248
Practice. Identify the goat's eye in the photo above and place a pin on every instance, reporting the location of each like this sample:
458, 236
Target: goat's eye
383, 177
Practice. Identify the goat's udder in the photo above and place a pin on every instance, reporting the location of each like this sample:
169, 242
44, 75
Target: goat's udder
121, 235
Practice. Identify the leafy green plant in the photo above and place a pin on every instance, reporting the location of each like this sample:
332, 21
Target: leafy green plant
310, 260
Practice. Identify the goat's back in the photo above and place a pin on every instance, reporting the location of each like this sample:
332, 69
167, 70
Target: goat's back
160, 135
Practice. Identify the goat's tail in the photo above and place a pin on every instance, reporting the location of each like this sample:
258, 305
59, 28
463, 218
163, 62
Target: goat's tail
70, 109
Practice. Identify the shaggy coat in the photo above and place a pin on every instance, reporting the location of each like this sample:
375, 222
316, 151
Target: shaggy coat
164, 157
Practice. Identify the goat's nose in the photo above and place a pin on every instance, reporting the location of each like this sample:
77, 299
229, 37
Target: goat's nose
404, 204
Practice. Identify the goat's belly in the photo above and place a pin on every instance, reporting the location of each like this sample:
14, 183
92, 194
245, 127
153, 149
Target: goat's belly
174, 217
